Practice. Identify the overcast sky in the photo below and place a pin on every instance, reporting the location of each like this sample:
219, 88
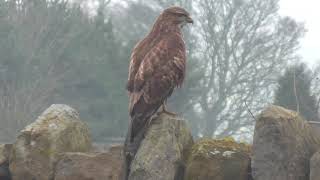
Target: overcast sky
306, 11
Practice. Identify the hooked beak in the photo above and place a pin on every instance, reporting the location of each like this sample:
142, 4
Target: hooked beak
189, 20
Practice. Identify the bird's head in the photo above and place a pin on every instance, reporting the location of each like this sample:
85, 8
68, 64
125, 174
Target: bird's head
177, 16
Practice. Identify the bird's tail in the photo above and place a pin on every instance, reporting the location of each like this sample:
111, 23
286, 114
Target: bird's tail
141, 113
132, 142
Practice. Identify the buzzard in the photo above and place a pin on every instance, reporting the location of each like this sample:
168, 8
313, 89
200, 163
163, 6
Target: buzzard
157, 67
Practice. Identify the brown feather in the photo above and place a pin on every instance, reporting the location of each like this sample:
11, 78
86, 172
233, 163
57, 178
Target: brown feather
161, 70
157, 67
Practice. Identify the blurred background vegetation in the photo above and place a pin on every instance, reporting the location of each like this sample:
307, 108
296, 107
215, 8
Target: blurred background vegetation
242, 56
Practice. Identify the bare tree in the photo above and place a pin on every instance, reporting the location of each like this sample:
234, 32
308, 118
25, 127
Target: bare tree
246, 44
315, 87
33, 65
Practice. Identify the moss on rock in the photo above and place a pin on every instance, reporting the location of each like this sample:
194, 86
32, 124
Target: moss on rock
218, 159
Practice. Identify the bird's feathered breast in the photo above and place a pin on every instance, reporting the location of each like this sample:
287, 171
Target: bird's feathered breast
155, 53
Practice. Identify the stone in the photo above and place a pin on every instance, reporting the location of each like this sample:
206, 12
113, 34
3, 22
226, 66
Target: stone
4, 171
5, 150
163, 152
282, 146
85, 166
218, 159
315, 127
38, 145
116, 151
315, 166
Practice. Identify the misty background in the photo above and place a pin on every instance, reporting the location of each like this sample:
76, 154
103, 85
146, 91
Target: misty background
243, 55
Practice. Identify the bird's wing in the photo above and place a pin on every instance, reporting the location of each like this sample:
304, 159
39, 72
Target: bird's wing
161, 70
133, 67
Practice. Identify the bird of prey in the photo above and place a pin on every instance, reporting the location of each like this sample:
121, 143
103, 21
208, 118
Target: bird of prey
157, 67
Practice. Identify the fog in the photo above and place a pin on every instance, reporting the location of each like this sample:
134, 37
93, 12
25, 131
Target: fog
307, 13
242, 56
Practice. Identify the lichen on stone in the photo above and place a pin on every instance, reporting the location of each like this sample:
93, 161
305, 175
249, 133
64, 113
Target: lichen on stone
207, 146
38, 145
221, 159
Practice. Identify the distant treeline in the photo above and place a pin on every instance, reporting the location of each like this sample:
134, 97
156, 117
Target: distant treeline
77, 54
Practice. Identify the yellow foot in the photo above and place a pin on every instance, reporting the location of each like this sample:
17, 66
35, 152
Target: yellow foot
164, 110
168, 112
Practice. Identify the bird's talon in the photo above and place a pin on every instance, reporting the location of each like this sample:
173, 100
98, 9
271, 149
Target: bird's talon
170, 113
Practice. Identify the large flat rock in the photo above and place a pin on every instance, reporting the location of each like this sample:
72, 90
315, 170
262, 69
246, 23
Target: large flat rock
85, 166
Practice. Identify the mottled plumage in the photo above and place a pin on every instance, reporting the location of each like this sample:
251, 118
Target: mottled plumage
157, 67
